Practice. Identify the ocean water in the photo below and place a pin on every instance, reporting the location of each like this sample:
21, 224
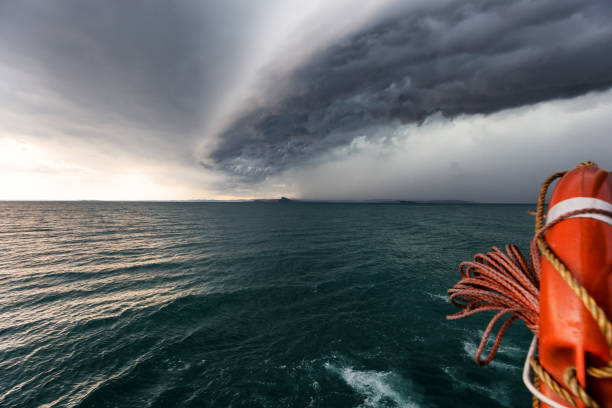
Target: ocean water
248, 305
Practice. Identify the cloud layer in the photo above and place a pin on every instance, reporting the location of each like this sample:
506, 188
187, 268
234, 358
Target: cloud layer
501, 157
155, 65
450, 57
234, 99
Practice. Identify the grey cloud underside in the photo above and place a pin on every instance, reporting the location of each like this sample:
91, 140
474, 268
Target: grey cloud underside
154, 65
456, 58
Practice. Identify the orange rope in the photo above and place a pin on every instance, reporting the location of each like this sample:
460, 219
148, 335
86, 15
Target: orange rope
506, 283
497, 281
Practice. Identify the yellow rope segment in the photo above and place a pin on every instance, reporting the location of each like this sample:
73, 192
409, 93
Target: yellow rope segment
551, 382
536, 383
598, 314
569, 376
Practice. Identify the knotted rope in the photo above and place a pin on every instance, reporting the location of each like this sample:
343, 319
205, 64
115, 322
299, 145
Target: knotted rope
510, 285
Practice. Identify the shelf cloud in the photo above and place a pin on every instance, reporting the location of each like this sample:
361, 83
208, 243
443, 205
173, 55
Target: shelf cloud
240, 99
449, 58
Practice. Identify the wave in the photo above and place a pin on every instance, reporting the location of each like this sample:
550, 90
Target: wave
497, 391
379, 388
232, 305
438, 297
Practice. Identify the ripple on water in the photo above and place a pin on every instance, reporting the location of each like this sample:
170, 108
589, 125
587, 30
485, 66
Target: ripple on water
244, 305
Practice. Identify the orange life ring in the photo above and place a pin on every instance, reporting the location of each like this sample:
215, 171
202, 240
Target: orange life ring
569, 336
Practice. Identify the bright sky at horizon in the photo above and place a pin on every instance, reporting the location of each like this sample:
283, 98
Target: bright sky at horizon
418, 100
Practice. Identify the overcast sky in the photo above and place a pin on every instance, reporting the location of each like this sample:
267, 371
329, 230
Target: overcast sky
415, 100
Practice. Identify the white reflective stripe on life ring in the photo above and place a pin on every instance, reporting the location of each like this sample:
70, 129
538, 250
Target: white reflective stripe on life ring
579, 203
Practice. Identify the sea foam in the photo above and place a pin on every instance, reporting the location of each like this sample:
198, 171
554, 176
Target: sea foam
379, 388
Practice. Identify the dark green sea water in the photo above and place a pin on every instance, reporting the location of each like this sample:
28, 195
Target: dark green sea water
248, 305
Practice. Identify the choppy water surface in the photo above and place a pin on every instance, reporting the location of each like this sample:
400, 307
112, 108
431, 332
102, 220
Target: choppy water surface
247, 305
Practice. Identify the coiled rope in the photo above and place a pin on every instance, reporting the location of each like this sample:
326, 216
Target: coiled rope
508, 284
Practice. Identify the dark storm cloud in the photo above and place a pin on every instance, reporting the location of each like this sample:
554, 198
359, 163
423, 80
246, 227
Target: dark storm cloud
158, 65
456, 58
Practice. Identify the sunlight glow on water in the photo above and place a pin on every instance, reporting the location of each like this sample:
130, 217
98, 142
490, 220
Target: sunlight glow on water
254, 305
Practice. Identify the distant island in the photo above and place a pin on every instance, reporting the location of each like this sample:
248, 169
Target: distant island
437, 202
288, 200
273, 200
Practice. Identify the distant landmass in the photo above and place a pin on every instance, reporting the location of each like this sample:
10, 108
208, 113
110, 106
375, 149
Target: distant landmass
288, 200
437, 202
273, 200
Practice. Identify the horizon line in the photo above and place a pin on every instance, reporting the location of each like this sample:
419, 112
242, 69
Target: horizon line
275, 201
